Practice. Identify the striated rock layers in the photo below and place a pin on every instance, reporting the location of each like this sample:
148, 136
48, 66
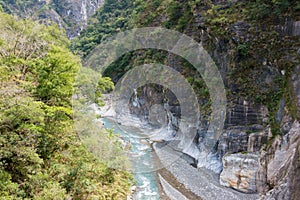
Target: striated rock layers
71, 15
248, 156
239, 172
74, 14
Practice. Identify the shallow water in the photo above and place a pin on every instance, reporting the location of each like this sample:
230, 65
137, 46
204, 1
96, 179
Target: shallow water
142, 158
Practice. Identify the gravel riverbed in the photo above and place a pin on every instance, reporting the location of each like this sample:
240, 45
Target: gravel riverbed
201, 182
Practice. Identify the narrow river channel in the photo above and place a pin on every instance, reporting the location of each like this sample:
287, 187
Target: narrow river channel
142, 158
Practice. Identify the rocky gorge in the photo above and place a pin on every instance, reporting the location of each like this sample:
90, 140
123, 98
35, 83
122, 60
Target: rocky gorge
247, 162
256, 47
70, 15
261, 77
258, 150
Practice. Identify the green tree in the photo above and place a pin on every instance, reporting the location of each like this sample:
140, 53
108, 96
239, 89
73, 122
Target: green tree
41, 156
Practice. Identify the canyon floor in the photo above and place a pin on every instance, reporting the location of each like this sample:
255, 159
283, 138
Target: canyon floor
192, 183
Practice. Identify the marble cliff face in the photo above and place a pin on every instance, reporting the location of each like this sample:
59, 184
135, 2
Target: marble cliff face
71, 15
249, 156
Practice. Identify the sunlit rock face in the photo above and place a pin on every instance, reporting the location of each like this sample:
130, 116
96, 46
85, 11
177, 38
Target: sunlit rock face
239, 172
75, 14
71, 15
279, 167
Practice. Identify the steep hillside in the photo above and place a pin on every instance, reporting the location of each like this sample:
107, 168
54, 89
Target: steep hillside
41, 155
72, 15
255, 45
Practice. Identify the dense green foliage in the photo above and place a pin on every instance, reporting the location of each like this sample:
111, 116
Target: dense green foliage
66, 13
41, 156
113, 17
21, 7
211, 22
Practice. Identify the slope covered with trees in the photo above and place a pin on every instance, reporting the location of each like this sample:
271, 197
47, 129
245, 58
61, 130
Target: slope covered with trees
71, 15
254, 43
41, 156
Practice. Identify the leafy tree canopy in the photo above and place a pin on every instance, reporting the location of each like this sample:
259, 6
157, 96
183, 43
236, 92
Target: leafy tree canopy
41, 156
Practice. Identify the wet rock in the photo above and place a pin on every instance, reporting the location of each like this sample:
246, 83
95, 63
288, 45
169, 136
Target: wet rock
239, 172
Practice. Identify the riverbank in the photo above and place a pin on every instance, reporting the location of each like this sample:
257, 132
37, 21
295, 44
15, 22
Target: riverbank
179, 179
194, 183
169, 187
167, 184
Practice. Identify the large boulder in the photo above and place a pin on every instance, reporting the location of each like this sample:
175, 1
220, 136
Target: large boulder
239, 172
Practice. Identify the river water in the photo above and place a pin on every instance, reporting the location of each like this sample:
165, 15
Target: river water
142, 158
